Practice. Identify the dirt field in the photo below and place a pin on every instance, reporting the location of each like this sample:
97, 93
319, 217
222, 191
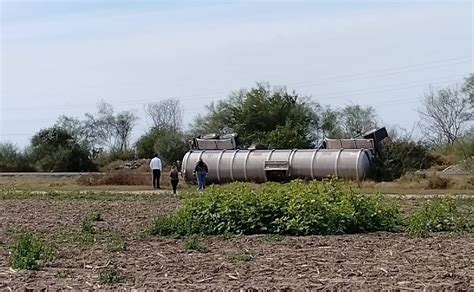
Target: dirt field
368, 261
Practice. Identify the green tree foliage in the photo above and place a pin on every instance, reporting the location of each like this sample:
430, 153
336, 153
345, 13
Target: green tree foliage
54, 149
357, 120
262, 115
350, 121
145, 145
170, 145
400, 156
12, 159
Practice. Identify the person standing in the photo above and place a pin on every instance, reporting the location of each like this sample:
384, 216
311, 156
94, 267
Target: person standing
156, 167
201, 170
174, 178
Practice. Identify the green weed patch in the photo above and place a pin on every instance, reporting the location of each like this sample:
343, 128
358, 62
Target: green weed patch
29, 252
296, 208
439, 215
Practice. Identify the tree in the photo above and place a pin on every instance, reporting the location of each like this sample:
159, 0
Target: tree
170, 145
145, 145
122, 126
54, 149
357, 120
262, 115
13, 160
445, 113
468, 89
102, 129
350, 121
330, 124
83, 131
166, 114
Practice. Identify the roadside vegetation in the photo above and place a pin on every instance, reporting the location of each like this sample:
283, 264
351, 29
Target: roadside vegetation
101, 140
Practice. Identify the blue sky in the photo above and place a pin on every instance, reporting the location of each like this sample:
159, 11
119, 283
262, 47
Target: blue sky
62, 57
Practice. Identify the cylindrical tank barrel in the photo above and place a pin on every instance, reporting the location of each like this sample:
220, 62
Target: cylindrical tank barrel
250, 165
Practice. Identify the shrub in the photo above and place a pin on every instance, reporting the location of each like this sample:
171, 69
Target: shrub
295, 208
114, 165
437, 182
14, 160
400, 156
55, 149
436, 216
29, 252
111, 275
105, 158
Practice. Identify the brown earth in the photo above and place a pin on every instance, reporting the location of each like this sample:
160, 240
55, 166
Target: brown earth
369, 261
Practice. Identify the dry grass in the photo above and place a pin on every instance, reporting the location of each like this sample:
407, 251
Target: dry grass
419, 184
136, 181
117, 177
139, 180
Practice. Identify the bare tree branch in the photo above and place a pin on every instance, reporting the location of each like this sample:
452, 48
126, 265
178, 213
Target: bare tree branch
166, 114
445, 113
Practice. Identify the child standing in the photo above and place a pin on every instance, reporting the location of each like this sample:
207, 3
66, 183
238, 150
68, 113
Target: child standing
174, 178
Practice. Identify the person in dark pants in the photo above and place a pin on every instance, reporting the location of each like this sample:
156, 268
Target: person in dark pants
201, 170
174, 178
156, 167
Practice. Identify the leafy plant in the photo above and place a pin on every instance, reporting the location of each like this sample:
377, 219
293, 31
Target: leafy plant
110, 276
83, 239
116, 244
87, 226
193, 242
436, 216
296, 208
243, 256
29, 252
95, 216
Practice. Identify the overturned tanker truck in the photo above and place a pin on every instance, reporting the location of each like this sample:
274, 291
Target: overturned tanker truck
352, 159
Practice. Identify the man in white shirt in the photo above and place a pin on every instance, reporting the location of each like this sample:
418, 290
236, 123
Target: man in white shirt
156, 167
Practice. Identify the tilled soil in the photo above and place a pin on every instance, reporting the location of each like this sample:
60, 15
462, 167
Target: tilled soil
380, 261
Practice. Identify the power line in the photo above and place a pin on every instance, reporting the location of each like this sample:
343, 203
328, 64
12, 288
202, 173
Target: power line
349, 94
298, 84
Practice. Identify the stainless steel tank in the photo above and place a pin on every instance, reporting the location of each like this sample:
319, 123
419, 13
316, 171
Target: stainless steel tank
257, 165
